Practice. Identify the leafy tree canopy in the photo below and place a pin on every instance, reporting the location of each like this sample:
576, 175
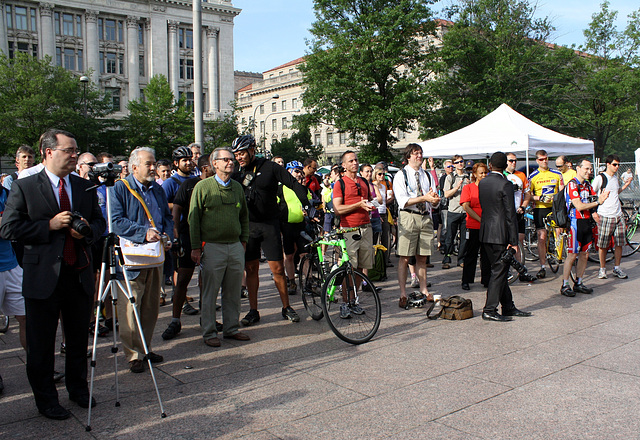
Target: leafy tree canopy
220, 132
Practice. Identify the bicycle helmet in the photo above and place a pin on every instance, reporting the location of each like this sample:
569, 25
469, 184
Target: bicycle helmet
294, 164
181, 153
243, 142
416, 299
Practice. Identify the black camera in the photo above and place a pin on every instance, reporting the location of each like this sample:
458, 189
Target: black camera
78, 224
508, 257
107, 171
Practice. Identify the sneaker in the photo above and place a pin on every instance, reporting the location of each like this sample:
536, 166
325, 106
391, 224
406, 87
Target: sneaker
581, 288
415, 283
367, 288
602, 273
566, 290
620, 274
172, 331
356, 309
345, 313
252, 317
244, 292
189, 310
541, 274
154, 358
167, 281
292, 288
446, 266
136, 366
290, 314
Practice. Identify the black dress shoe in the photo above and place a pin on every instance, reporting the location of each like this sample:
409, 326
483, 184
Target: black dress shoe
154, 358
55, 412
83, 401
515, 312
495, 316
527, 278
465, 286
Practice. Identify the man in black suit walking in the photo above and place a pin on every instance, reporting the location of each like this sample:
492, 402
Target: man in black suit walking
498, 231
58, 276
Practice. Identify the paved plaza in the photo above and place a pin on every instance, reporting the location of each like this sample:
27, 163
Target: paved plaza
572, 371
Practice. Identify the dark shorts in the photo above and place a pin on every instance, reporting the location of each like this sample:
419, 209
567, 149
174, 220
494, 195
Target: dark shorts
521, 223
291, 239
328, 221
265, 236
183, 255
580, 236
539, 214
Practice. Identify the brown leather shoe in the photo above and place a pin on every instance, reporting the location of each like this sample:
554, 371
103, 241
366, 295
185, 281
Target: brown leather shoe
213, 342
238, 336
403, 302
136, 366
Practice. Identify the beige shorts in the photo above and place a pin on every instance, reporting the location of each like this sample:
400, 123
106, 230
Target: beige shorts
415, 234
361, 252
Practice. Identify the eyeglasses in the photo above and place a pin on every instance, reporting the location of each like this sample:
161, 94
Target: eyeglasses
542, 159
458, 162
67, 150
512, 160
225, 159
615, 164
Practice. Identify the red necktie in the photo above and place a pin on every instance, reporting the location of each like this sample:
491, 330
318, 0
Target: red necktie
69, 252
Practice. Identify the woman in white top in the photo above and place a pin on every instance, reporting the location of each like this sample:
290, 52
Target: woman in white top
378, 179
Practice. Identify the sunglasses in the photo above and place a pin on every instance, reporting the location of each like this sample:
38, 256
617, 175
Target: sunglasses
458, 162
542, 159
615, 164
449, 166
358, 189
512, 160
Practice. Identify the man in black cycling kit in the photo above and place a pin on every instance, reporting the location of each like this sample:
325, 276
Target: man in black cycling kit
260, 179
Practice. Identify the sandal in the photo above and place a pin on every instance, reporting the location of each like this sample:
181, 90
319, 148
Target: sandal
403, 302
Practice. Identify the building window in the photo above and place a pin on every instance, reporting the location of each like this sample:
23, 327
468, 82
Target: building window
274, 107
274, 124
284, 105
140, 34
9, 17
188, 99
316, 139
33, 20
329, 138
284, 123
186, 69
70, 58
262, 109
111, 30
261, 126
185, 38
342, 138
67, 24
141, 65
111, 62
294, 103
78, 26
21, 18
115, 97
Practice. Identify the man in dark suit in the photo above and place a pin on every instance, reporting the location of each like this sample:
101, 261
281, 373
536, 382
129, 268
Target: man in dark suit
498, 231
58, 276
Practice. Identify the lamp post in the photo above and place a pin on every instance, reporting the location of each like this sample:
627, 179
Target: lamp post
276, 96
85, 80
297, 110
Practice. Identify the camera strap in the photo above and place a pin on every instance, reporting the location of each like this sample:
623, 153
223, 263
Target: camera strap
144, 205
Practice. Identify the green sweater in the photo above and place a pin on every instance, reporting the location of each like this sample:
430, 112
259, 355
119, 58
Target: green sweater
218, 214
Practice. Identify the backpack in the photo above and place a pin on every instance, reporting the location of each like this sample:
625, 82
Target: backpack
559, 212
379, 270
605, 181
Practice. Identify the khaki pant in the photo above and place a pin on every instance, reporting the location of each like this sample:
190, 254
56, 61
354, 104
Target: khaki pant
222, 266
146, 292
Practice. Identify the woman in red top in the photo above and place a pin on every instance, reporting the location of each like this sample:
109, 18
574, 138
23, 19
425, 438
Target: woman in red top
471, 203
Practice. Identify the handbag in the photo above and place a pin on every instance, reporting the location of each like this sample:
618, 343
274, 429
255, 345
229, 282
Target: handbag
141, 255
454, 308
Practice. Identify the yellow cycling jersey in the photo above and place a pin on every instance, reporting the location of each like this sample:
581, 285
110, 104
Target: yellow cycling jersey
544, 183
568, 175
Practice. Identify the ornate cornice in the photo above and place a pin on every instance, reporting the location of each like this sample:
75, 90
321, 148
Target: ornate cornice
173, 25
91, 16
132, 21
212, 32
46, 9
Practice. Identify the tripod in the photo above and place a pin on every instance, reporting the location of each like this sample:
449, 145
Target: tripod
109, 251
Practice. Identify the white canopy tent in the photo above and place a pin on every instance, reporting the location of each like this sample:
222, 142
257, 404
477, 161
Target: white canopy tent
505, 130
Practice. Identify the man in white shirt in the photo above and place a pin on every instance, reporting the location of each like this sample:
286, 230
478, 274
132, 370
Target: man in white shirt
415, 191
611, 221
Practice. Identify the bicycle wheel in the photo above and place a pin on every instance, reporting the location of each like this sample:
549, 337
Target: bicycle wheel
340, 291
310, 278
594, 249
4, 323
632, 235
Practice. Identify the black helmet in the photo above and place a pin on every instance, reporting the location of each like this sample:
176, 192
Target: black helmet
181, 153
243, 142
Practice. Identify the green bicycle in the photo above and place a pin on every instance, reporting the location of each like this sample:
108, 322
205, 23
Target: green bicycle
330, 289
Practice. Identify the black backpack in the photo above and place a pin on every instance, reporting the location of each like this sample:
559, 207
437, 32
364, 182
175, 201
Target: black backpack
559, 209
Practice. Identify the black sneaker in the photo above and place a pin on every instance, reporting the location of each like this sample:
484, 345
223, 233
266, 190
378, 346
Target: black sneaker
244, 292
154, 358
566, 290
172, 331
541, 274
290, 314
252, 317
292, 288
188, 309
526, 278
345, 313
367, 288
581, 288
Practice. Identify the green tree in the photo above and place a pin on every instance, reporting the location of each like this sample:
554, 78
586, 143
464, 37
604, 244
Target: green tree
159, 121
365, 73
494, 53
36, 95
601, 97
220, 132
299, 146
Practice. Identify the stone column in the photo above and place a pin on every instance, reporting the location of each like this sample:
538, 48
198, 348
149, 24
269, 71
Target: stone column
225, 66
212, 68
174, 57
133, 61
47, 36
4, 46
91, 47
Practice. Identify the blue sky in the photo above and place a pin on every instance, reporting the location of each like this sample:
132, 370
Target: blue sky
269, 33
